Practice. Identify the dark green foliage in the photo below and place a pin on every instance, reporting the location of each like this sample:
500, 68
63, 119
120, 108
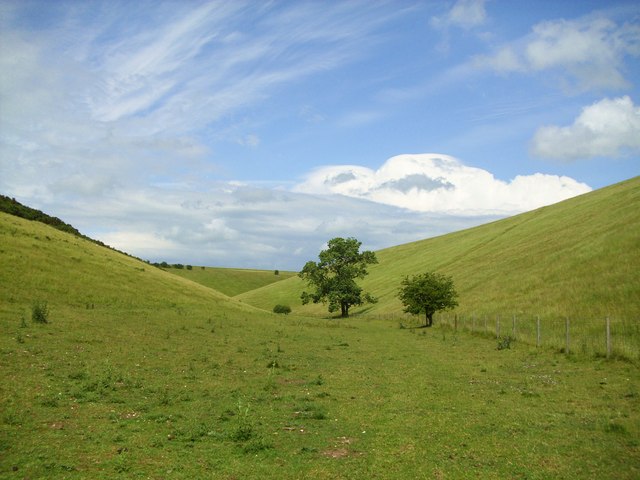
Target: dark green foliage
428, 293
276, 272
286, 309
189, 267
13, 207
40, 312
334, 276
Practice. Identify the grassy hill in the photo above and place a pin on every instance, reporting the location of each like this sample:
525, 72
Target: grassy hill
231, 281
578, 258
139, 373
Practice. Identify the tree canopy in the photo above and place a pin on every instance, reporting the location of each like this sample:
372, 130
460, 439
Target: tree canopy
428, 292
334, 276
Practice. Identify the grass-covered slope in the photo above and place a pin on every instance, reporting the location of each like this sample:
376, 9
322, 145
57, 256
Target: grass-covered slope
231, 281
142, 374
578, 258
84, 280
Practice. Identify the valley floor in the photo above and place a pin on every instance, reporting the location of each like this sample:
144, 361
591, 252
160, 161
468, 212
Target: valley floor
195, 394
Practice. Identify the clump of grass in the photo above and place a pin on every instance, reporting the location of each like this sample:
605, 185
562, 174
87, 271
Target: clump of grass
40, 312
504, 343
613, 427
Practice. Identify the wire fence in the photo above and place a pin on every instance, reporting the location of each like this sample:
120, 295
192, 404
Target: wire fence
607, 337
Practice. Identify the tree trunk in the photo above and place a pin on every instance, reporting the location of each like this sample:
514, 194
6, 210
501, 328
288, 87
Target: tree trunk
345, 310
429, 319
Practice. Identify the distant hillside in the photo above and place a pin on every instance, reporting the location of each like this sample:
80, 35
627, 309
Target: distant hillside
579, 257
231, 281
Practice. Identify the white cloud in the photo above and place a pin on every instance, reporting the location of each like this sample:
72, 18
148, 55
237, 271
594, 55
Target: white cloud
441, 184
590, 51
234, 224
224, 224
464, 14
608, 128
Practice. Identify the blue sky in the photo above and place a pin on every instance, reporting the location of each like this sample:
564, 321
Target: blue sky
247, 134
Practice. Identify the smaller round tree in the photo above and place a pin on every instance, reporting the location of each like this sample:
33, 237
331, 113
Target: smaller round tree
427, 293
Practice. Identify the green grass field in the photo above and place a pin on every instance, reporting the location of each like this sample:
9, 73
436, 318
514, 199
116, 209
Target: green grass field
140, 373
232, 281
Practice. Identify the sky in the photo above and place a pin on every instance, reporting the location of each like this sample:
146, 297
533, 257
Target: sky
248, 133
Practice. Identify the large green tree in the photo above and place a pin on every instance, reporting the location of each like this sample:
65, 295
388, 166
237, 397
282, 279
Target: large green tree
428, 293
334, 276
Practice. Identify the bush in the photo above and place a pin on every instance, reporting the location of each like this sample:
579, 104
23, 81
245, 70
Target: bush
286, 309
40, 312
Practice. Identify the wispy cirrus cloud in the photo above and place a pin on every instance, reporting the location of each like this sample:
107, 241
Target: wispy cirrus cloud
137, 93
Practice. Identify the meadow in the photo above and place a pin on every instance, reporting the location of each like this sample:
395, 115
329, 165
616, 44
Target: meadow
140, 373
232, 281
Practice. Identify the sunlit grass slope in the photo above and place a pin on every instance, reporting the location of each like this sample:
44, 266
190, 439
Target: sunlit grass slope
79, 278
231, 281
142, 374
580, 257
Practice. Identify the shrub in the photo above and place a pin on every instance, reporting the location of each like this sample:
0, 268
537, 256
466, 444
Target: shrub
286, 309
40, 312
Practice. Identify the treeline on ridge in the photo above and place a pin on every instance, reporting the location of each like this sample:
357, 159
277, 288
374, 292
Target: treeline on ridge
13, 207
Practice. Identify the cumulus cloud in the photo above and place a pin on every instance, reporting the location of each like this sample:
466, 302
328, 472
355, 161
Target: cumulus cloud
590, 52
237, 225
608, 128
441, 184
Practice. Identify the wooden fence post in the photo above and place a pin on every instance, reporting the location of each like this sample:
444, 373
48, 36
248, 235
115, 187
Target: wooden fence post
608, 338
497, 326
455, 322
537, 330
